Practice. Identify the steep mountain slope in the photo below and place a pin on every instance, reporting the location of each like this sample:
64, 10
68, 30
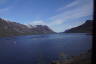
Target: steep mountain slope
8, 28
84, 28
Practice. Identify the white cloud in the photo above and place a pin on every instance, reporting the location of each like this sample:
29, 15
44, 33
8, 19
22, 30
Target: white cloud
4, 11
75, 13
5, 7
40, 22
80, 9
69, 5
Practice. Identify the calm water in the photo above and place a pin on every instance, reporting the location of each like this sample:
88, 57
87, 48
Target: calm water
35, 49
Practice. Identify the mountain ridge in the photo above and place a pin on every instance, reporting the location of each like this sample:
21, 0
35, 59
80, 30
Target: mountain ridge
84, 28
8, 28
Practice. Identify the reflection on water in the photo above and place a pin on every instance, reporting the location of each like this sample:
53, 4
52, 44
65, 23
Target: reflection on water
39, 48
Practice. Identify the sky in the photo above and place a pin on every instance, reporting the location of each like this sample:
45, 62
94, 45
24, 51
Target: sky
59, 15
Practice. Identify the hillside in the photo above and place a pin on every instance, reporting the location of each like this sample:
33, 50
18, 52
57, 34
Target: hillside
84, 28
8, 28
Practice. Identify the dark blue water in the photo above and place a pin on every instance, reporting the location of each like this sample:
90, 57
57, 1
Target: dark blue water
36, 49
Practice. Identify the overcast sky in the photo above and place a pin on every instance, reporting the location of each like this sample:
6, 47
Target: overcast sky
59, 15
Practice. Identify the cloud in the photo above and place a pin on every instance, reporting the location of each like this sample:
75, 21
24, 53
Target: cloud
71, 4
68, 5
75, 13
5, 7
39, 22
81, 10
4, 11
2, 3
71, 11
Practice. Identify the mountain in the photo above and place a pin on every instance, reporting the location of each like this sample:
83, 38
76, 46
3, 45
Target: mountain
84, 28
8, 28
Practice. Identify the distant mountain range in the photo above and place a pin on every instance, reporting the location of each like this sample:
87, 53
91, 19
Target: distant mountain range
8, 28
84, 28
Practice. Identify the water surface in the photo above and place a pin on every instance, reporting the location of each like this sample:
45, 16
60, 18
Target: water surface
34, 49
